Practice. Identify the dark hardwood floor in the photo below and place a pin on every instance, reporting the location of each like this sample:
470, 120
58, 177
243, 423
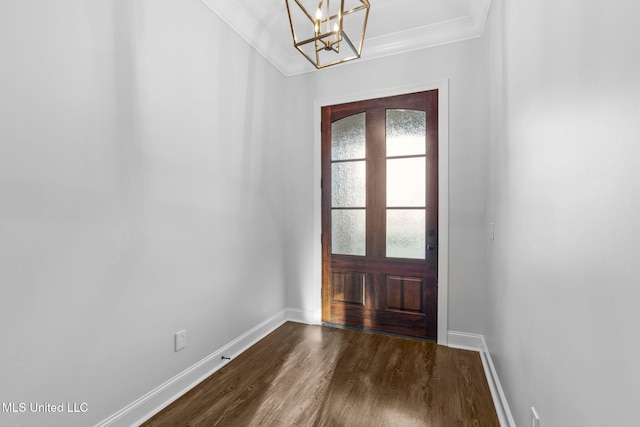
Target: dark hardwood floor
304, 375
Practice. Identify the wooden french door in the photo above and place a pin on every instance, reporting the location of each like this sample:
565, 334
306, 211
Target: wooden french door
380, 214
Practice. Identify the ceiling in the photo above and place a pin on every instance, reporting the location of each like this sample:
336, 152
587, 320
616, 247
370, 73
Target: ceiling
394, 26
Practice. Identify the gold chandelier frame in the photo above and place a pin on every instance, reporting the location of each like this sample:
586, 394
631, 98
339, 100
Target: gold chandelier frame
327, 37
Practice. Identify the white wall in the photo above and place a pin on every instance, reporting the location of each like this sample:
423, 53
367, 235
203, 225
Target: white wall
148, 185
465, 65
140, 193
562, 312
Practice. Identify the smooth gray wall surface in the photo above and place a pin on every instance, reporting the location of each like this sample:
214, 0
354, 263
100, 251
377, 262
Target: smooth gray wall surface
141, 193
562, 312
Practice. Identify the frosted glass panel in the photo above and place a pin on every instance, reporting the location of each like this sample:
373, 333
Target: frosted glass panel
406, 182
348, 180
405, 132
406, 230
348, 231
347, 138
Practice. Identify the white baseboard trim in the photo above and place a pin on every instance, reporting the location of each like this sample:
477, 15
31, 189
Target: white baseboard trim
477, 343
301, 316
465, 341
151, 403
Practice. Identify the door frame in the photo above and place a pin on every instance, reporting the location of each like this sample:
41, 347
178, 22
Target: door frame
443, 190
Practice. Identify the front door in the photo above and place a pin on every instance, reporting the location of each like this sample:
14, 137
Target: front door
379, 214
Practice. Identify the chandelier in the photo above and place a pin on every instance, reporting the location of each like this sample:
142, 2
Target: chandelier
328, 33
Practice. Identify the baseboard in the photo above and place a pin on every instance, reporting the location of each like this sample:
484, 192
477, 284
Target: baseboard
477, 343
302, 316
151, 403
465, 341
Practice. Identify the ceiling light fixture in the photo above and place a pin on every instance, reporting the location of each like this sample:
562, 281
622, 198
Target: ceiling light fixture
322, 31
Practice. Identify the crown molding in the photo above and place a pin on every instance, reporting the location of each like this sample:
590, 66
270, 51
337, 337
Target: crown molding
451, 31
464, 28
246, 26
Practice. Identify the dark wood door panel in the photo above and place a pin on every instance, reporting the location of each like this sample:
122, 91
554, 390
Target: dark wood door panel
404, 294
395, 304
348, 287
380, 285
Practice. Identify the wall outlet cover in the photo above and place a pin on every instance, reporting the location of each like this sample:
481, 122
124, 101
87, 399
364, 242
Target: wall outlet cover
181, 340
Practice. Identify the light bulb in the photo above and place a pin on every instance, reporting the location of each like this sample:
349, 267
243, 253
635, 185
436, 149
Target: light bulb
319, 14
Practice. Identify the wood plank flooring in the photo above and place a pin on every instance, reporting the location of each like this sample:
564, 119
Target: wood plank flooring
304, 375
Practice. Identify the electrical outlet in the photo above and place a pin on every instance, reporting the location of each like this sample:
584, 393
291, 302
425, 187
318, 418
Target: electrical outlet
535, 419
181, 340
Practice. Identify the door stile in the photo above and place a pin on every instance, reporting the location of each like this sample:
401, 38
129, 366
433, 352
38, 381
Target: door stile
376, 183
326, 212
